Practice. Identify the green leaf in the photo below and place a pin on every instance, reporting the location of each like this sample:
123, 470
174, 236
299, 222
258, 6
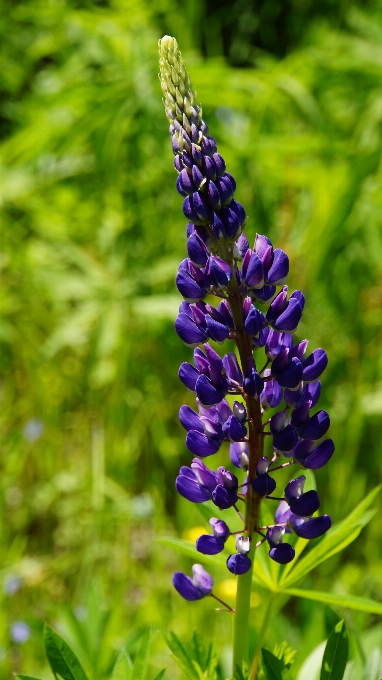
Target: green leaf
181, 656
273, 668
122, 667
336, 654
361, 604
160, 674
339, 536
25, 677
61, 658
141, 659
373, 670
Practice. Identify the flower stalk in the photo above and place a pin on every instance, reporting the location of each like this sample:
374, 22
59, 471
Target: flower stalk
220, 263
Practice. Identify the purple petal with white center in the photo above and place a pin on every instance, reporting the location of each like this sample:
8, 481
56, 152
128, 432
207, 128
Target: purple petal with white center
282, 553
189, 419
311, 457
300, 297
305, 505
275, 535
188, 375
218, 272
184, 183
313, 527
238, 564
191, 490
239, 411
238, 453
278, 422
283, 513
316, 427
278, 272
263, 485
188, 331
219, 528
314, 365
299, 350
223, 498
295, 488
202, 579
262, 466
184, 586
200, 445
197, 156
209, 545
198, 178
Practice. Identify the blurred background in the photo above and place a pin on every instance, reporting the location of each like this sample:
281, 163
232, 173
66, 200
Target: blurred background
92, 232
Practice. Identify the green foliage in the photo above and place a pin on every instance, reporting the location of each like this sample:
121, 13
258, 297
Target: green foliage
199, 662
336, 654
92, 232
273, 668
62, 660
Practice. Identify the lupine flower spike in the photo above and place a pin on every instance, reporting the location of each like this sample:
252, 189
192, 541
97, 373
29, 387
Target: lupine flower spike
256, 310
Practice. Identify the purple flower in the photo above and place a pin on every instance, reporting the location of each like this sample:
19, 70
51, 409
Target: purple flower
212, 545
193, 588
196, 483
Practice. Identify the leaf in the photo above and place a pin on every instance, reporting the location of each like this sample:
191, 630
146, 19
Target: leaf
160, 674
61, 658
336, 654
25, 677
273, 668
180, 655
312, 665
361, 604
141, 659
122, 667
373, 670
339, 536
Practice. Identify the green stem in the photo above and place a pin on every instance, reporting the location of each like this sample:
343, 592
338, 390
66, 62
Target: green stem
255, 451
264, 627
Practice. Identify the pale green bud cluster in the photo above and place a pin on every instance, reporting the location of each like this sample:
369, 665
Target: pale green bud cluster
179, 98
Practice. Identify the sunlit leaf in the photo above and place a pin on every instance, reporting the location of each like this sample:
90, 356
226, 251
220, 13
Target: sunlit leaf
122, 667
62, 660
336, 654
361, 604
141, 659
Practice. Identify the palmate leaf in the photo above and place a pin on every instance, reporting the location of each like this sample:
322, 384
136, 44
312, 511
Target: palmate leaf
62, 660
361, 604
273, 668
340, 536
336, 654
